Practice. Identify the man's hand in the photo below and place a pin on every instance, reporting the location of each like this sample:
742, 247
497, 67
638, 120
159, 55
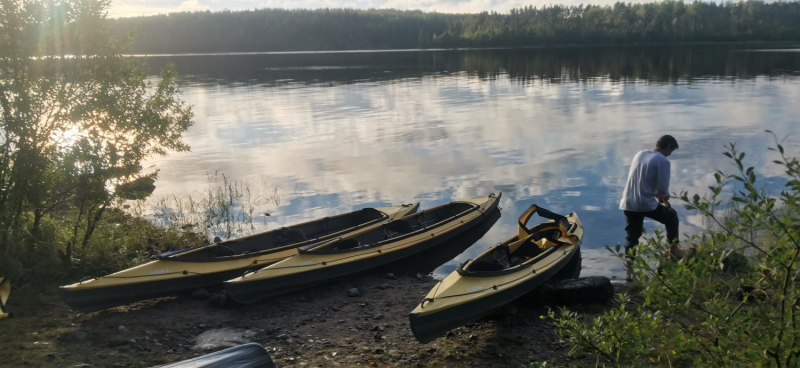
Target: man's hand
665, 202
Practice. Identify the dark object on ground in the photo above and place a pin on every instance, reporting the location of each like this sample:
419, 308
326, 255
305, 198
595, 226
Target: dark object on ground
243, 356
200, 294
218, 299
75, 335
353, 292
735, 263
595, 289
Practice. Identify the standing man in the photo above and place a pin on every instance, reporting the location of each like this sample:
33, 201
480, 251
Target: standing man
646, 194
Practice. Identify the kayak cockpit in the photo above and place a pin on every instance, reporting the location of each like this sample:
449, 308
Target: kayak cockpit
393, 230
278, 239
525, 249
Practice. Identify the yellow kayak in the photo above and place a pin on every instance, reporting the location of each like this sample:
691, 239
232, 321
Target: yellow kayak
362, 250
208, 265
501, 274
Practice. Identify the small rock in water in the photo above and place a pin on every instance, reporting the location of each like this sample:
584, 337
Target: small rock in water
122, 329
473, 337
249, 333
200, 294
283, 337
384, 286
390, 276
75, 335
379, 316
290, 341
353, 292
217, 239
419, 276
132, 341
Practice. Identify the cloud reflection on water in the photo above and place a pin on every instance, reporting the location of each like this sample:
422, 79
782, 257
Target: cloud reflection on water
434, 137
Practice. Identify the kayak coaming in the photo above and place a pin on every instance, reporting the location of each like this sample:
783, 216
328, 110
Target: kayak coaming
312, 267
460, 298
174, 272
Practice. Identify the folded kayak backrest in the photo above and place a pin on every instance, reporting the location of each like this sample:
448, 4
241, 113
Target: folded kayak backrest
534, 209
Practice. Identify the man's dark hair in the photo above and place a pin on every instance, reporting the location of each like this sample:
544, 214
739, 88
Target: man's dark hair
667, 141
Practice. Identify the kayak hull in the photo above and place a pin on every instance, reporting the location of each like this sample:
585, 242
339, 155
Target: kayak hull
501, 274
259, 288
95, 299
186, 270
427, 328
250, 355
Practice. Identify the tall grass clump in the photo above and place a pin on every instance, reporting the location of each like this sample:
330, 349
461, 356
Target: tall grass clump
736, 304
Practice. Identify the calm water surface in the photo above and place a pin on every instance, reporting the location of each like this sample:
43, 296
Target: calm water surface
556, 127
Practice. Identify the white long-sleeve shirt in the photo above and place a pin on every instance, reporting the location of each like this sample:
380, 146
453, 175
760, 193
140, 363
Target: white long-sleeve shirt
647, 179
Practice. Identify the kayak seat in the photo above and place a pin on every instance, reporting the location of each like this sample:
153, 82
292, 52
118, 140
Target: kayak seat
528, 250
293, 235
347, 244
480, 265
366, 215
399, 226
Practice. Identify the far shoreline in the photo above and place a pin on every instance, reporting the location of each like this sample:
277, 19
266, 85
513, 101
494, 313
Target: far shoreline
366, 51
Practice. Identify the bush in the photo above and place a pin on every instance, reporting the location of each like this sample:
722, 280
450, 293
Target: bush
734, 305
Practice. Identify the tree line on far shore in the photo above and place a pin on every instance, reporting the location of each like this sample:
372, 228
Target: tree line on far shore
341, 29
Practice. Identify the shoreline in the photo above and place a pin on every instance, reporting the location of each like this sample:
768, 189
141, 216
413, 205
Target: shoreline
368, 51
316, 327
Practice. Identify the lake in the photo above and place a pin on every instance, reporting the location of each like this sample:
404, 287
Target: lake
552, 126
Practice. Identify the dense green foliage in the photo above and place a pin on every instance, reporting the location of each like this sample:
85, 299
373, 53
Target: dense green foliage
339, 29
78, 119
736, 304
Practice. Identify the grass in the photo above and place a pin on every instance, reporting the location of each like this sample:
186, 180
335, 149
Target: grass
131, 232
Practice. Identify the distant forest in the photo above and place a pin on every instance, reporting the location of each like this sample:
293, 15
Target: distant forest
347, 29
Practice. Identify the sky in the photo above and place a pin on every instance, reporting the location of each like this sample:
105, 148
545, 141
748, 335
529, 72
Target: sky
130, 8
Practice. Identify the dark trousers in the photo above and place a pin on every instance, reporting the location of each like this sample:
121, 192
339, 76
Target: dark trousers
635, 220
